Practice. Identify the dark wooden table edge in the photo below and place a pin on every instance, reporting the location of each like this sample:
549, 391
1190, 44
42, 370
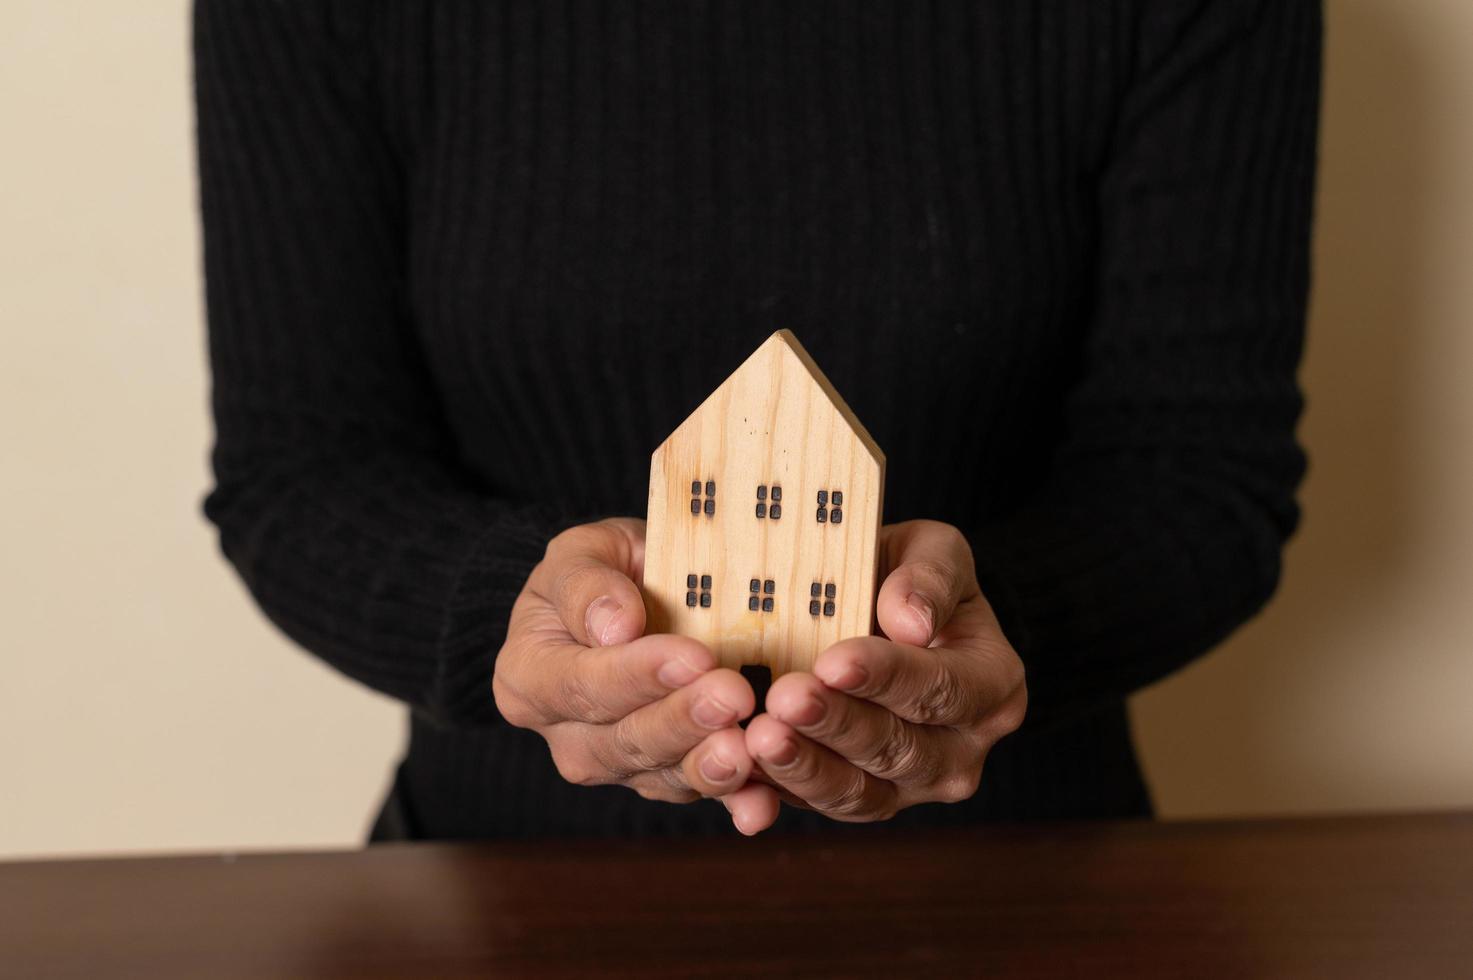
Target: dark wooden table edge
842, 835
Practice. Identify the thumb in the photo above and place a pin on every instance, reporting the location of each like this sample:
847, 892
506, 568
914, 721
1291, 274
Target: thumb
932, 572
589, 574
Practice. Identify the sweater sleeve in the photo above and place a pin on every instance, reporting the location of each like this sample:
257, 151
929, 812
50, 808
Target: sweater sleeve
1160, 525
338, 497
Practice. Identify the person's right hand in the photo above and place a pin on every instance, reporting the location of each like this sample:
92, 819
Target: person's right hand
648, 712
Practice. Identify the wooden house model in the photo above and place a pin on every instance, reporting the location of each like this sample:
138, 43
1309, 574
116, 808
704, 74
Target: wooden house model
764, 514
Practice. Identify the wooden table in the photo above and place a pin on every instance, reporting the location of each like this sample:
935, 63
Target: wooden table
1376, 897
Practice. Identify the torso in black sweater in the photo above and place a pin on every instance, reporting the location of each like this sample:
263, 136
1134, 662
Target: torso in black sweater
469, 263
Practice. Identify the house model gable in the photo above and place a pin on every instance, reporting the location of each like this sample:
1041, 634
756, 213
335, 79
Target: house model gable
764, 516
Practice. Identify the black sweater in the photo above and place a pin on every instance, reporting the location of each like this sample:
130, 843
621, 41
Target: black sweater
468, 263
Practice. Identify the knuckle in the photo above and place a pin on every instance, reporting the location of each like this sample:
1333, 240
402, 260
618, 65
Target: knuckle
932, 573
607, 540
570, 541
848, 800
575, 584
959, 545
511, 707
1009, 718
927, 524
576, 692
948, 536
574, 764
959, 786
900, 757
633, 756
1020, 680
951, 541
940, 702
629, 676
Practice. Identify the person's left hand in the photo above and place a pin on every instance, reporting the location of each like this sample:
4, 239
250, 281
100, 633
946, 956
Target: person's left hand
884, 723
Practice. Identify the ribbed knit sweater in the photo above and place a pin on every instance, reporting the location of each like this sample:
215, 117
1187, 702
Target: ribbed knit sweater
469, 263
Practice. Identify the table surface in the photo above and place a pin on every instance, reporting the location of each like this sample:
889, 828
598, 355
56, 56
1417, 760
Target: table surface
1376, 896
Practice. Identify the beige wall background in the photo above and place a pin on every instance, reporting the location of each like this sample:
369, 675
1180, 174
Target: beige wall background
145, 705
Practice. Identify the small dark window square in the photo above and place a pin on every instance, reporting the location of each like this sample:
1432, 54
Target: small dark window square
829, 591
752, 603
690, 581
777, 512
823, 498
695, 506
705, 581
695, 488
813, 589
823, 515
690, 598
761, 510
838, 498
710, 488
705, 600
767, 605
813, 608
710, 506
769, 586
761, 491
777, 493
828, 608
837, 516
756, 585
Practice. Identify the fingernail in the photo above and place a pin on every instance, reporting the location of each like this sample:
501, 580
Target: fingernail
677, 673
850, 676
924, 610
599, 621
717, 769
784, 754
810, 712
711, 713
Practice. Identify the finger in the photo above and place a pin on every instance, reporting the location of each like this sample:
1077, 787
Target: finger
931, 571
588, 575
922, 685
565, 682
753, 808
829, 784
719, 765
658, 735
716, 767
870, 736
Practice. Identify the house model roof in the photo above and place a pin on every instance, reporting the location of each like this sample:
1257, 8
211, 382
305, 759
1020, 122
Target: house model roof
764, 514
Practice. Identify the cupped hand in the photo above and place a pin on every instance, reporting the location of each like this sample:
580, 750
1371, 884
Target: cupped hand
885, 723
649, 712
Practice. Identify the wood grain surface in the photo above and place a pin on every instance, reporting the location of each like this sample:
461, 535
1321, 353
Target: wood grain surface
1373, 897
766, 567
